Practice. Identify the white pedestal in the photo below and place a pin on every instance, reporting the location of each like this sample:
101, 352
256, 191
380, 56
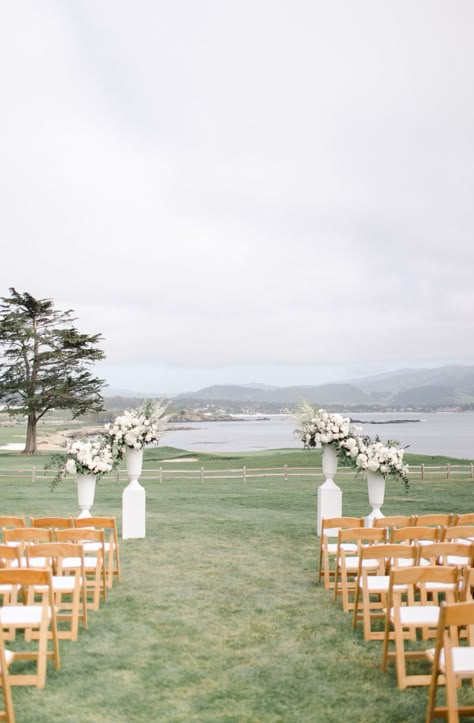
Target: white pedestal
134, 498
329, 502
85, 493
329, 494
133, 510
376, 490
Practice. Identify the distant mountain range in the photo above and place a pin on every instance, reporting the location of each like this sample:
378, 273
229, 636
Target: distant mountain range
449, 386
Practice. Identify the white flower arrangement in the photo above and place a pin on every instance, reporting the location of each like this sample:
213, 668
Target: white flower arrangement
89, 456
136, 428
360, 452
367, 455
321, 426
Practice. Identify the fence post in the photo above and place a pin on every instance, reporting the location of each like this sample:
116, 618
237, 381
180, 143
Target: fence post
202, 475
244, 471
33, 474
285, 472
161, 475
422, 471
118, 475
448, 470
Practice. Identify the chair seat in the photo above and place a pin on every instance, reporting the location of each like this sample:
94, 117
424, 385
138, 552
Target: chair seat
456, 560
90, 563
418, 615
352, 563
376, 583
22, 615
331, 547
379, 583
96, 546
61, 583
440, 586
463, 659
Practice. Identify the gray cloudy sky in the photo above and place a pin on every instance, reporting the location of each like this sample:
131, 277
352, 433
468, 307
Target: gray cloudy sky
234, 191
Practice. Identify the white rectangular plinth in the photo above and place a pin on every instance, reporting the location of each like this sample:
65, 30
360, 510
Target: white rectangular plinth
329, 502
133, 511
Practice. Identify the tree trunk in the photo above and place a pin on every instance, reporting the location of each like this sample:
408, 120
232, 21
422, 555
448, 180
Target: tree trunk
30, 446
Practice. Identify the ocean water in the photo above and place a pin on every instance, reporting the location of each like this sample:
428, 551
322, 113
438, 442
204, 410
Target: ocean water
446, 433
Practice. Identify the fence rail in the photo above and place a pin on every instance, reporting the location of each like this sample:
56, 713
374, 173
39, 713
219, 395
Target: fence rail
164, 474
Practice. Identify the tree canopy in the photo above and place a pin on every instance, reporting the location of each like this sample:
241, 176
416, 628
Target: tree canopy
44, 362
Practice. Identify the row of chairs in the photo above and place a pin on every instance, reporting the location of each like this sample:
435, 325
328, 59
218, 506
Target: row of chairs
51, 574
445, 527
403, 585
53, 524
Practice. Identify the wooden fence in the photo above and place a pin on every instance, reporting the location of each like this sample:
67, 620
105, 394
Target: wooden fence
165, 474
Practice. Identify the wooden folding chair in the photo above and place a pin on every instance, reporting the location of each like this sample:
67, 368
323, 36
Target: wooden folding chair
8, 521
37, 619
51, 523
467, 586
458, 554
111, 544
69, 586
22, 536
9, 557
465, 519
393, 522
452, 661
414, 535
330, 527
370, 586
94, 562
438, 519
347, 563
6, 657
406, 615
459, 533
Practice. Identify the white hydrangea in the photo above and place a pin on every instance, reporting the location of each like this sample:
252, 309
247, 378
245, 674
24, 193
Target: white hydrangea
321, 426
136, 428
92, 456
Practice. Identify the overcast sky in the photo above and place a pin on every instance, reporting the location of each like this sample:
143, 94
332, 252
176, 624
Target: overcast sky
241, 191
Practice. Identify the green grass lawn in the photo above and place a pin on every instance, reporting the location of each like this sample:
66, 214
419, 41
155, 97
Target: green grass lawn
218, 618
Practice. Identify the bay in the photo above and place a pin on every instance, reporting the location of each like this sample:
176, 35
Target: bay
444, 433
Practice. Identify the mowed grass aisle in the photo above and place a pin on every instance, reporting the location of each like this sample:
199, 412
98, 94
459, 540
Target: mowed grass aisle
219, 617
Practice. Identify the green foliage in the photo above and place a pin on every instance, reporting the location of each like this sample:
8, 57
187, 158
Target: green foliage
44, 362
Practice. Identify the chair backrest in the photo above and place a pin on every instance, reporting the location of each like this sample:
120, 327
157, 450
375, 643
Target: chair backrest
86, 534
388, 554
459, 614
54, 551
467, 587
410, 535
421, 574
25, 576
464, 519
12, 521
52, 522
330, 526
394, 521
441, 519
27, 534
361, 535
458, 533
442, 553
9, 555
107, 523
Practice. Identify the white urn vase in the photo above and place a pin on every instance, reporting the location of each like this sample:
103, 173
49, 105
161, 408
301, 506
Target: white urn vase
85, 493
376, 489
329, 494
134, 497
